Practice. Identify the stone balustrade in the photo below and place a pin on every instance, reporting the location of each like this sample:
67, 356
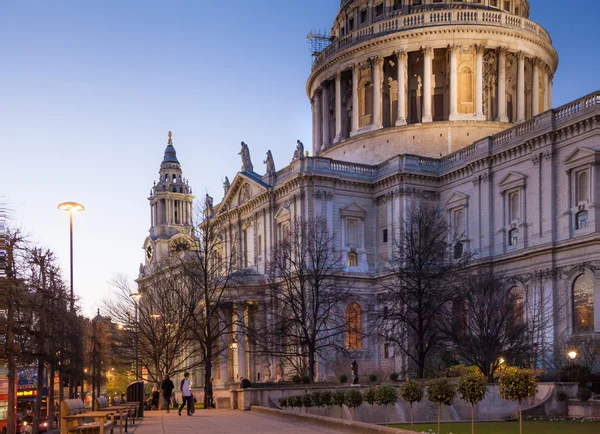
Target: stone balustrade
429, 19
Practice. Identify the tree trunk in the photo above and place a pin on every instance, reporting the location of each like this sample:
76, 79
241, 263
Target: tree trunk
11, 389
207, 377
411, 417
439, 416
311, 365
38, 397
520, 419
472, 419
50, 402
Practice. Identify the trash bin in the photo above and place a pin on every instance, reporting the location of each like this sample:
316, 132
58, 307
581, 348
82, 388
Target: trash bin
135, 393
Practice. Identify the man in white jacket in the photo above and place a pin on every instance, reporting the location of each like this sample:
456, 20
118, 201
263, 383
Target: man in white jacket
186, 394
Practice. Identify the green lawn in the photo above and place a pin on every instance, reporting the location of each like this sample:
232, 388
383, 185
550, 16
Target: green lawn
529, 427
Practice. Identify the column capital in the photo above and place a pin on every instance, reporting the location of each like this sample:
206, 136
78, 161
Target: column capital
376, 60
536, 61
427, 50
501, 50
453, 48
520, 55
401, 55
338, 75
479, 48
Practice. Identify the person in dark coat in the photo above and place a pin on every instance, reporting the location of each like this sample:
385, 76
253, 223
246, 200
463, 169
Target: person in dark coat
155, 398
167, 387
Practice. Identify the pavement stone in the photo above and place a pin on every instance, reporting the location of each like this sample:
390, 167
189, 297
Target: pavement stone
220, 422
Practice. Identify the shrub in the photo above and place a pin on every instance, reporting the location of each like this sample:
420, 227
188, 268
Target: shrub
441, 392
326, 398
517, 384
394, 376
369, 395
339, 398
295, 401
386, 395
472, 388
561, 396
343, 378
317, 397
372, 378
306, 379
354, 398
583, 394
307, 401
460, 370
297, 379
283, 402
411, 391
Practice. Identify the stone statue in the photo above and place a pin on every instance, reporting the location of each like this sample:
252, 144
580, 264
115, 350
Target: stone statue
270, 163
226, 185
267, 372
209, 202
354, 367
141, 268
170, 142
246, 161
299, 152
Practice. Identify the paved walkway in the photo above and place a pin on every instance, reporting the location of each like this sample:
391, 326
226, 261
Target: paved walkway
220, 421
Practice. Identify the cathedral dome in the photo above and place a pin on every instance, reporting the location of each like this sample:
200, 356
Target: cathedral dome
426, 77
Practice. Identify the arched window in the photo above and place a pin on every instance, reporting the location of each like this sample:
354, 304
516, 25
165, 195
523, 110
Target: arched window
519, 305
583, 304
513, 237
366, 106
514, 207
581, 220
583, 187
353, 327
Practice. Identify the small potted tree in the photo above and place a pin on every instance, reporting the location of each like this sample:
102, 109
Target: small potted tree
369, 397
283, 403
386, 395
339, 398
317, 398
517, 384
441, 392
343, 379
307, 401
354, 399
472, 388
326, 398
411, 392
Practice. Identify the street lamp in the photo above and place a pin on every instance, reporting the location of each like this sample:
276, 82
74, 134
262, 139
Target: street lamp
572, 354
136, 299
71, 207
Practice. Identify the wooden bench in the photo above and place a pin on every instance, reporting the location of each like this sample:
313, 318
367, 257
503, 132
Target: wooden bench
122, 412
133, 407
75, 419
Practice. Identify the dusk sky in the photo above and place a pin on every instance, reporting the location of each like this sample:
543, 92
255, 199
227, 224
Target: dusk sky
89, 90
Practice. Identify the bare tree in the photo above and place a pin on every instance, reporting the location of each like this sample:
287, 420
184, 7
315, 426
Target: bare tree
159, 320
424, 276
307, 303
486, 324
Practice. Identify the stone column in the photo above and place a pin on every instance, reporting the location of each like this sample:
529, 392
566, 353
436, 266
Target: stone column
479, 82
428, 57
549, 91
314, 120
318, 123
502, 85
325, 110
401, 59
521, 87
536, 87
377, 65
355, 72
241, 339
546, 87
453, 83
338, 107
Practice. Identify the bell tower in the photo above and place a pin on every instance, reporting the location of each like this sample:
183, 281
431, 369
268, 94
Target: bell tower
171, 206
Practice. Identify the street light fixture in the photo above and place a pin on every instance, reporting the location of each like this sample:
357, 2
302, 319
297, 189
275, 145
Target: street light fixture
71, 207
136, 299
572, 354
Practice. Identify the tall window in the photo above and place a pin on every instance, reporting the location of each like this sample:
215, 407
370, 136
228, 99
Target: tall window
581, 220
583, 187
514, 207
353, 327
513, 237
366, 109
352, 236
518, 303
583, 304
352, 259
459, 223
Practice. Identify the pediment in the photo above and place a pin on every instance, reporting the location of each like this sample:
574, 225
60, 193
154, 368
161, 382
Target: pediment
353, 210
457, 199
244, 187
512, 180
580, 156
282, 214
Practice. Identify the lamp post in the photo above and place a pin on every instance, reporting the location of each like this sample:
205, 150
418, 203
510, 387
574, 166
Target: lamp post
572, 355
136, 299
71, 207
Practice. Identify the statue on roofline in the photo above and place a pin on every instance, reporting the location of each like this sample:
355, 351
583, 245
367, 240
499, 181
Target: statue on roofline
299, 152
270, 163
246, 161
226, 185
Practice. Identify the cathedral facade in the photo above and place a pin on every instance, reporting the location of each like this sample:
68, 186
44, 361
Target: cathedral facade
445, 98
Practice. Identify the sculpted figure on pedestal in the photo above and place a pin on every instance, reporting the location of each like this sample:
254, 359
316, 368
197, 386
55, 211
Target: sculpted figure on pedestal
299, 152
270, 163
246, 161
226, 185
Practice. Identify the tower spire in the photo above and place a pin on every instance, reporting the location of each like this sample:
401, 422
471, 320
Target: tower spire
170, 142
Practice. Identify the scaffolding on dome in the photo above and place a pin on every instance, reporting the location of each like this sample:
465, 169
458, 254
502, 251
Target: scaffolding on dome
318, 41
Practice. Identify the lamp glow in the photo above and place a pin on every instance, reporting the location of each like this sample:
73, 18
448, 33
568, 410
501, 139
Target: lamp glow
572, 354
71, 206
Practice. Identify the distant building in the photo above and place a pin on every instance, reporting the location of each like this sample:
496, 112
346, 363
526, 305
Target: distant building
451, 99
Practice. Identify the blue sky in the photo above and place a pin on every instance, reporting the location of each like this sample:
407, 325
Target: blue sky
89, 89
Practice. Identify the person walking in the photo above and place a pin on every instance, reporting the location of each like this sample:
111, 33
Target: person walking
167, 387
186, 394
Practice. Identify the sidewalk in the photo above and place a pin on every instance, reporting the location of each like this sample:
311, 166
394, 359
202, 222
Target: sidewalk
219, 421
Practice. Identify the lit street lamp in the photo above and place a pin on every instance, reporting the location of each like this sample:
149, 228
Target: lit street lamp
136, 299
71, 207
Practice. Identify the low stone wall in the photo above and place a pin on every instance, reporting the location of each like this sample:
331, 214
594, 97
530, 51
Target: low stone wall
584, 409
328, 422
